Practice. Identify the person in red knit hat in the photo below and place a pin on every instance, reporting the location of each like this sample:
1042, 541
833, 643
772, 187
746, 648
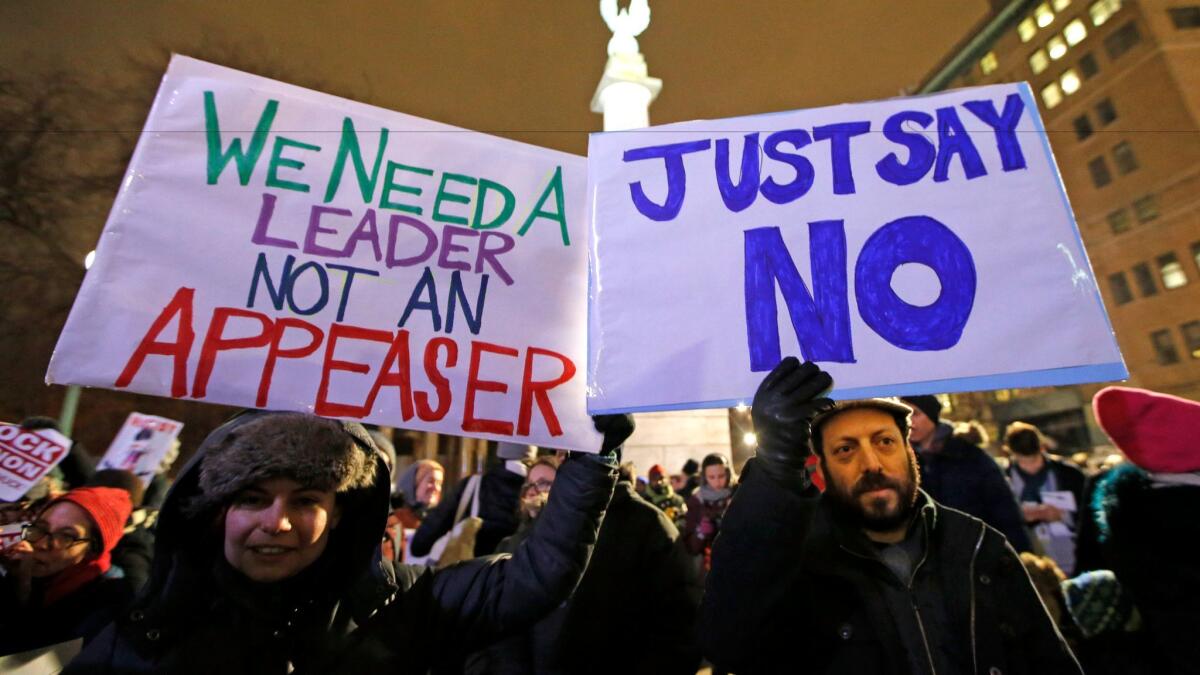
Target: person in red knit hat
57, 587
1145, 513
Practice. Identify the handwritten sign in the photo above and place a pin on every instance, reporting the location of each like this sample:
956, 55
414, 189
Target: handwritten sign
274, 247
910, 246
10, 534
26, 456
140, 445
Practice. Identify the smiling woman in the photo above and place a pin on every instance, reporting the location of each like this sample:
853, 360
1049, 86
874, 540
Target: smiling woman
268, 560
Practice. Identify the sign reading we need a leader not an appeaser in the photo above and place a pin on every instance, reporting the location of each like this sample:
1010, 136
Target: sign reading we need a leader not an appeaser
910, 246
274, 247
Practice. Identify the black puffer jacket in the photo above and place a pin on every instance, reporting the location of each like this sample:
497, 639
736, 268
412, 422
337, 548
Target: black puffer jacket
349, 612
794, 589
637, 589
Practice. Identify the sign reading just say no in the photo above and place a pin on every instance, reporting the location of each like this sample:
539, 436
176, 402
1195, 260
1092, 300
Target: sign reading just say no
275, 247
909, 246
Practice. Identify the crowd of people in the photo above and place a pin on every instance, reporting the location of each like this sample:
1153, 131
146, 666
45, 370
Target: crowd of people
867, 536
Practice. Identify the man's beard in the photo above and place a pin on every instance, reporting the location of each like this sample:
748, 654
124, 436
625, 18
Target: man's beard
876, 516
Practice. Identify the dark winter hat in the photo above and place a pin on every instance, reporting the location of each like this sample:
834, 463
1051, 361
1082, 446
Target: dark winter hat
690, 467
1156, 431
332, 455
926, 403
108, 507
1098, 603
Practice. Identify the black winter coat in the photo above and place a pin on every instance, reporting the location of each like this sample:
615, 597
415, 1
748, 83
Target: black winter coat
637, 590
350, 612
499, 492
793, 589
1146, 534
82, 614
962, 476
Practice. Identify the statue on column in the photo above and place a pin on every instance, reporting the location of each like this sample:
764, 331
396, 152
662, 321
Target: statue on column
625, 24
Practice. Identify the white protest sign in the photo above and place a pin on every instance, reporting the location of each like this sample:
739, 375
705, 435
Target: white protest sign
140, 445
909, 246
25, 456
275, 247
10, 534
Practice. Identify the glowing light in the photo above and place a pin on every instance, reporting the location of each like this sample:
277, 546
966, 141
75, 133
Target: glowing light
88, 260
750, 439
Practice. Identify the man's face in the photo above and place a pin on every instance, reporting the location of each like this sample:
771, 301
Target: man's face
870, 470
678, 481
922, 427
656, 480
276, 528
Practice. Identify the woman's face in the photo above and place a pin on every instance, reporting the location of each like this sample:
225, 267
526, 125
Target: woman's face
716, 477
429, 490
63, 521
276, 528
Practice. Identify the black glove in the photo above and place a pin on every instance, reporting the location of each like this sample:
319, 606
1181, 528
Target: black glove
785, 404
616, 428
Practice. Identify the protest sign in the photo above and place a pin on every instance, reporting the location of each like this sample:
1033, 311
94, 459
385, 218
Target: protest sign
140, 445
909, 246
25, 456
10, 534
274, 247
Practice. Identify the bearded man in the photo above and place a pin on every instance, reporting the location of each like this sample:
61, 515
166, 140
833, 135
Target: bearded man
872, 576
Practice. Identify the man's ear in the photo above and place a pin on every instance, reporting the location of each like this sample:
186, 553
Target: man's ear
335, 516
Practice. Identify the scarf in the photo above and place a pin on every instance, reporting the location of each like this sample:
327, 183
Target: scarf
709, 495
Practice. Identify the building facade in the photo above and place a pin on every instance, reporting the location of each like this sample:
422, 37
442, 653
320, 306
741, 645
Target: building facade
1118, 86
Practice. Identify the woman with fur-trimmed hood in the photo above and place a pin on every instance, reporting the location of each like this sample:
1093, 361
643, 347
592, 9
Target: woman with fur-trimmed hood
267, 560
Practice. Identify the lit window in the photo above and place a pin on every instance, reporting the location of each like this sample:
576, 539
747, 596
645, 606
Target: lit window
1196, 254
1027, 29
1051, 95
1185, 17
1043, 15
1070, 82
1146, 208
1038, 61
1056, 47
1191, 338
1099, 170
988, 63
1122, 40
1088, 66
1171, 271
1119, 288
1075, 32
1119, 221
1083, 127
1106, 112
1102, 10
1164, 347
1124, 158
1145, 280
1060, 5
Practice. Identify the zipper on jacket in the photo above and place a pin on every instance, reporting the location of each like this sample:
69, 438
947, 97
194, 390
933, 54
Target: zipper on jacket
971, 581
924, 638
911, 599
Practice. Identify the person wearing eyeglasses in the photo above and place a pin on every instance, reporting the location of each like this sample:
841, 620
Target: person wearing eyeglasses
59, 583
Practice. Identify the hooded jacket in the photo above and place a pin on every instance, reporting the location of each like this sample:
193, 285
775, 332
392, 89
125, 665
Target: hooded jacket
349, 611
791, 581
